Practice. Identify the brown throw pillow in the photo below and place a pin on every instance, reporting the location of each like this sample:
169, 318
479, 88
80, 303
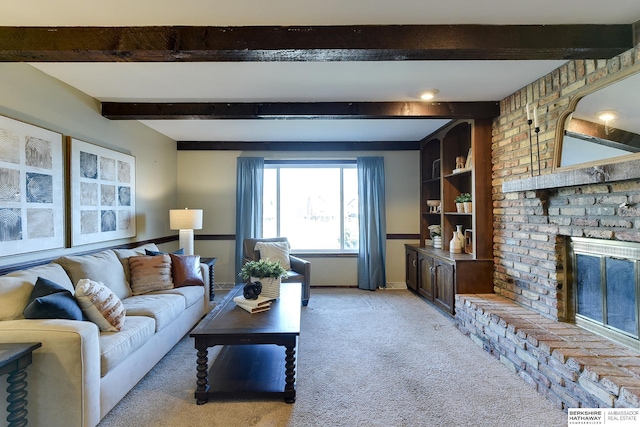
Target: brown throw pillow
185, 270
150, 273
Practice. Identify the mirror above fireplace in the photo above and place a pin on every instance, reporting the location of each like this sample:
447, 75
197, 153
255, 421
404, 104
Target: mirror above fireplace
601, 124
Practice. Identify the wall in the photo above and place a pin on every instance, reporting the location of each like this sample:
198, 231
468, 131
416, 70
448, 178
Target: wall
31, 96
529, 225
207, 180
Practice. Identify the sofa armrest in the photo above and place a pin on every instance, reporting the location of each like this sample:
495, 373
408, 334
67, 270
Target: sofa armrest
205, 276
300, 265
64, 377
303, 267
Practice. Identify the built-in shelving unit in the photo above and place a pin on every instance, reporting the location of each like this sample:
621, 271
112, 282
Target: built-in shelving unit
436, 274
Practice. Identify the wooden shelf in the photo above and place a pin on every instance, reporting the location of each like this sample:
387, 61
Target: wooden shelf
462, 172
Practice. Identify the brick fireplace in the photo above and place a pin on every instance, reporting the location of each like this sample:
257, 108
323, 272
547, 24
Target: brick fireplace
528, 323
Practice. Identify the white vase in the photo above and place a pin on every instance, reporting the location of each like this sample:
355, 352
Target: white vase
460, 235
437, 242
454, 245
270, 286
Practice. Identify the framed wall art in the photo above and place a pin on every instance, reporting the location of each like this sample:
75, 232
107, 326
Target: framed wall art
103, 193
31, 188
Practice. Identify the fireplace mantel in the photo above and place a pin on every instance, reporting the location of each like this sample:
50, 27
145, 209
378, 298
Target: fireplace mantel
619, 171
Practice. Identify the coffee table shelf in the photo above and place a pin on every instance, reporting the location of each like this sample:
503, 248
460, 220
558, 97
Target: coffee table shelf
249, 371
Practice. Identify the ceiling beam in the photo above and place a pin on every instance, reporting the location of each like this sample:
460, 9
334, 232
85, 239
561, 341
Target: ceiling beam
299, 146
313, 43
298, 110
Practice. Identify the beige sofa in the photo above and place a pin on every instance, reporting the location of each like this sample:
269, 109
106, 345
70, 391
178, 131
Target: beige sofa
80, 373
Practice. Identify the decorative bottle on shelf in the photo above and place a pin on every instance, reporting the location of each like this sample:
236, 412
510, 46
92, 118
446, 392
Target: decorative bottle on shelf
437, 242
455, 247
460, 235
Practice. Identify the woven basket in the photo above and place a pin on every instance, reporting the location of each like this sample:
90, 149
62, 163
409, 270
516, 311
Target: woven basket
270, 286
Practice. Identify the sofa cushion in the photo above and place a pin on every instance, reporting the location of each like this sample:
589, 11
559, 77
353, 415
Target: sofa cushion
164, 308
191, 294
185, 270
14, 294
16, 287
49, 300
124, 255
117, 346
150, 273
103, 267
275, 251
100, 305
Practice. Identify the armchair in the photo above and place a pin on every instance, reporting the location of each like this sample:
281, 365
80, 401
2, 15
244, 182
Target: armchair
300, 268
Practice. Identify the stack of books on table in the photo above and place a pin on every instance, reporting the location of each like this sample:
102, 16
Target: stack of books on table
253, 305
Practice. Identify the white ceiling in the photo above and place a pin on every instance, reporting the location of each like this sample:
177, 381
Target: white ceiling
304, 81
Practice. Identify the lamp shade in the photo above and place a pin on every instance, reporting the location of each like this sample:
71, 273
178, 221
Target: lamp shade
185, 219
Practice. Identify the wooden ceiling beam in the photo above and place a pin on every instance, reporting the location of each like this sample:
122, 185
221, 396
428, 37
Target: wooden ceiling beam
299, 146
297, 110
313, 43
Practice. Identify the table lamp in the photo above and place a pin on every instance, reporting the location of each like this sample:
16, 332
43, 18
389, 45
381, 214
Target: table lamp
186, 220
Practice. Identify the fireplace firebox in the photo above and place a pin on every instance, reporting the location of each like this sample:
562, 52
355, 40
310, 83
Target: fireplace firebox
604, 275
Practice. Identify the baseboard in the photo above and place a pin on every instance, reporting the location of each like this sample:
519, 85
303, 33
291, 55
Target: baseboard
390, 286
396, 285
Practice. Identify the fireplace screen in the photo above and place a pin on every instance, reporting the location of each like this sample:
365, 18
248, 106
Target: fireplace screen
606, 284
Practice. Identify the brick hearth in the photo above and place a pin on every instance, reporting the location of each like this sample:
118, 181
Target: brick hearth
571, 366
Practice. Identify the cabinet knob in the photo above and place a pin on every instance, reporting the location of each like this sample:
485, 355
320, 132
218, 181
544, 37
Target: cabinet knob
414, 262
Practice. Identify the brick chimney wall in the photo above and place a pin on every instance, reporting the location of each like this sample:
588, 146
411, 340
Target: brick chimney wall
529, 226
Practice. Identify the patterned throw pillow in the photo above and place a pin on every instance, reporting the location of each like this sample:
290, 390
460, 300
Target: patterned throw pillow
100, 305
185, 270
275, 251
150, 273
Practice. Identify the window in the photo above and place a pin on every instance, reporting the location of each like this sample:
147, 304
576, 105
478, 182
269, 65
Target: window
313, 204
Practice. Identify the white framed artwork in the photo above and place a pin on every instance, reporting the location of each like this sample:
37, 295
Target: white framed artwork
103, 193
31, 188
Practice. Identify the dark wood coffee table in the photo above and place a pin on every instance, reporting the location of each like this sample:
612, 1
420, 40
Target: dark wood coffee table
252, 360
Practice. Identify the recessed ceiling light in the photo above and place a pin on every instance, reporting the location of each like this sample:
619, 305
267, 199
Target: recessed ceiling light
607, 115
426, 95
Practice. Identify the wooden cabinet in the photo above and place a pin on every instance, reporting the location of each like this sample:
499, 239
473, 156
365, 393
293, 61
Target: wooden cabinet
412, 269
425, 276
440, 274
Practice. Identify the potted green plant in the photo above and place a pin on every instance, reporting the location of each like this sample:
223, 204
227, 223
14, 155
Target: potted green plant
467, 200
268, 273
463, 202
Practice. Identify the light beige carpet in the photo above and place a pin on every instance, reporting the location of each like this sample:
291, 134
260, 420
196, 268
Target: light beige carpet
383, 358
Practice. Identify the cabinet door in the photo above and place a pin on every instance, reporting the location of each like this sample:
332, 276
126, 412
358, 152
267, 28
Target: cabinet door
444, 286
412, 269
425, 276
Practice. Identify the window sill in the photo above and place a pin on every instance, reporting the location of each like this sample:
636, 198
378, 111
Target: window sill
325, 254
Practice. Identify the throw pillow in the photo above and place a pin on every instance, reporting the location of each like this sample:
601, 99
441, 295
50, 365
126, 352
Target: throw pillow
124, 255
185, 270
154, 253
49, 300
100, 305
150, 273
275, 251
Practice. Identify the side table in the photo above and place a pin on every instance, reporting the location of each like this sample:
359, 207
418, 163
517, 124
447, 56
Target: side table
14, 359
211, 262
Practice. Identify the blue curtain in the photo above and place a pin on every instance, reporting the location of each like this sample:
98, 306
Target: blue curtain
373, 229
249, 180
